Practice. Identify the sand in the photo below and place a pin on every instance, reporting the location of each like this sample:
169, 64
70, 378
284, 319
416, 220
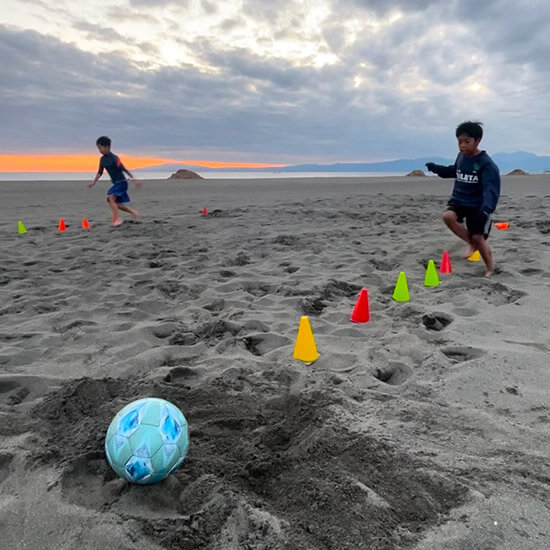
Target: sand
425, 428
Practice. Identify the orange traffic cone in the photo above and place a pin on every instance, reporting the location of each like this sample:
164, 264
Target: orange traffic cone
205, 211
445, 266
360, 313
61, 226
85, 224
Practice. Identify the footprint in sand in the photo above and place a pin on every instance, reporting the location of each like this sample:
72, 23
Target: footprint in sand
489, 290
184, 375
312, 305
260, 344
216, 329
76, 324
239, 260
183, 339
258, 289
466, 311
530, 271
286, 240
216, 305
164, 330
384, 265
5, 462
88, 481
500, 295
226, 273
394, 374
16, 389
460, 354
436, 320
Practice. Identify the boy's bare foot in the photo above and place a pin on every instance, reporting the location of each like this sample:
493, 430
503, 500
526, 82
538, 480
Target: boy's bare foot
117, 222
137, 217
489, 273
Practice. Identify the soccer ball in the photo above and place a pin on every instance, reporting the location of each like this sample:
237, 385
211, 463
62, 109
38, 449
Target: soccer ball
147, 440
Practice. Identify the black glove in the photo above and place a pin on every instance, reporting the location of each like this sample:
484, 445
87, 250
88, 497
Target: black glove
431, 166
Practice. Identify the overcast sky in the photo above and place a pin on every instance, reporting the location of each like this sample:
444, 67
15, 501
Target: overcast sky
273, 80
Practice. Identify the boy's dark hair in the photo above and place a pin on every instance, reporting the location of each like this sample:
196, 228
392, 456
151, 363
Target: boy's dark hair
103, 140
472, 129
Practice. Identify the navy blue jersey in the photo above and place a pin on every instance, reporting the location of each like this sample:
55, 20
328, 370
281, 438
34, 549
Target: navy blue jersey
114, 167
477, 181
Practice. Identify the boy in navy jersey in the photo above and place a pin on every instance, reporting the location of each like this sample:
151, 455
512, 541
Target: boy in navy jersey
117, 195
475, 193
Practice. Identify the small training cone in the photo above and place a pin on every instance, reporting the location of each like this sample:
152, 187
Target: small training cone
21, 228
431, 278
360, 313
502, 225
61, 226
401, 291
85, 224
445, 266
305, 349
205, 211
474, 257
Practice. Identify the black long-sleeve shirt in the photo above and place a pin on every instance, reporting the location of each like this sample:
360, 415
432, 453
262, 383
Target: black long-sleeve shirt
477, 181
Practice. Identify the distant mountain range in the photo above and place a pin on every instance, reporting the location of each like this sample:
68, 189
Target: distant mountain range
506, 162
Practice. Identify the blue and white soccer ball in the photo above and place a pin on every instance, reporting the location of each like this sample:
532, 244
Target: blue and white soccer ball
147, 440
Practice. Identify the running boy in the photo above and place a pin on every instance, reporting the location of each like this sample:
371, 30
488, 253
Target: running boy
117, 195
475, 193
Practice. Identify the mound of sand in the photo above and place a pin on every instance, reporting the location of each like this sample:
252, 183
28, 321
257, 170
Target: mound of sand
185, 175
416, 173
517, 172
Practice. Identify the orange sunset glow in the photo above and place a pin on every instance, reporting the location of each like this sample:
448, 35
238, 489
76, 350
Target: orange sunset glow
90, 163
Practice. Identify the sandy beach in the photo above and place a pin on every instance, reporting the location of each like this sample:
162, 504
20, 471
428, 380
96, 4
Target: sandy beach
426, 428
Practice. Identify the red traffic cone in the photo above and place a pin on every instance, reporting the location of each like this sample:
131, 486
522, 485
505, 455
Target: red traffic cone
360, 313
61, 226
445, 266
85, 224
205, 211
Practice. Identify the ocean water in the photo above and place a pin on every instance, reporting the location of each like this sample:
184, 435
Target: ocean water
160, 175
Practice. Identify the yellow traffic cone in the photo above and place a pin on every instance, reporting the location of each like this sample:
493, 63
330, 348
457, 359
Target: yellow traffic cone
474, 257
305, 349
20, 227
431, 278
401, 291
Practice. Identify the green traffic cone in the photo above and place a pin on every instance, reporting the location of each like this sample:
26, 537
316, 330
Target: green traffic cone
431, 278
401, 292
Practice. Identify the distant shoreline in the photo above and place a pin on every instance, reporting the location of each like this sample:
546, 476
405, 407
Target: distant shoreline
207, 175
212, 175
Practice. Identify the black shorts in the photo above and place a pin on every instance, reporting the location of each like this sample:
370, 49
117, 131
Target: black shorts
474, 224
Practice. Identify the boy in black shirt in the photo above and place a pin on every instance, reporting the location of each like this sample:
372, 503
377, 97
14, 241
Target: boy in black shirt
475, 193
117, 195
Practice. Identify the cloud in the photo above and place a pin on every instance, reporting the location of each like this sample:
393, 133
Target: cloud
155, 3
348, 80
